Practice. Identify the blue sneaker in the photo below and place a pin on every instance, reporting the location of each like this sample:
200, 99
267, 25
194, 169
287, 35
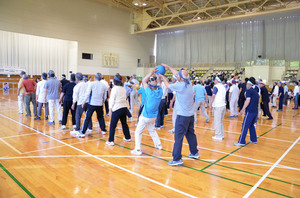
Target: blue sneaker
239, 144
196, 156
51, 123
175, 163
231, 117
252, 142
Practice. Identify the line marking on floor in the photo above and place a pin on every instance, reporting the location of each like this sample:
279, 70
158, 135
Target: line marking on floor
105, 161
10, 146
270, 170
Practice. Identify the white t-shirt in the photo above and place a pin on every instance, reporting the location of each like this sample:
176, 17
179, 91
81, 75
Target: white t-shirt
234, 90
41, 93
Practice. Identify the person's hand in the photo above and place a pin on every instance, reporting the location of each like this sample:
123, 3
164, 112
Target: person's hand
154, 70
242, 111
165, 66
73, 107
109, 113
161, 76
60, 101
83, 104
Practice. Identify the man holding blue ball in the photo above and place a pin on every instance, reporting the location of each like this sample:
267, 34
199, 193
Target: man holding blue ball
184, 125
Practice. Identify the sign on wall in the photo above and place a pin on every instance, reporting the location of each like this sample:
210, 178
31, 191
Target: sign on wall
110, 60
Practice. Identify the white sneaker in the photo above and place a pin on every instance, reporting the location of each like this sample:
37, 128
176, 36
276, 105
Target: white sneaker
103, 132
217, 138
136, 152
89, 130
77, 134
110, 143
130, 119
172, 131
158, 147
127, 140
63, 127
74, 126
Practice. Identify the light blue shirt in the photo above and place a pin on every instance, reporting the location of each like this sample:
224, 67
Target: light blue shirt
128, 89
199, 92
184, 98
153, 98
143, 95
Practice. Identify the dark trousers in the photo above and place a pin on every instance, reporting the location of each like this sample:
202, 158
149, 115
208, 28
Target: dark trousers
106, 106
67, 107
39, 109
115, 116
184, 126
128, 98
140, 111
266, 109
248, 123
166, 108
88, 117
128, 113
170, 96
295, 101
30, 97
285, 98
78, 114
241, 102
161, 113
280, 102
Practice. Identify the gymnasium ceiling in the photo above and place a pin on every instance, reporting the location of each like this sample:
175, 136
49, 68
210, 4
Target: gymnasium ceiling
163, 14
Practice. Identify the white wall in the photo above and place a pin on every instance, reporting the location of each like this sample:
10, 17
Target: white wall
98, 28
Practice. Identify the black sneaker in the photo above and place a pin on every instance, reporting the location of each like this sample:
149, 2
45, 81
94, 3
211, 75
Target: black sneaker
270, 119
37, 118
46, 117
27, 115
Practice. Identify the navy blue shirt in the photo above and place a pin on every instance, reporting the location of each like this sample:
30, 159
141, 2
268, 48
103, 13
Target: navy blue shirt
68, 91
281, 90
253, 105
208, 90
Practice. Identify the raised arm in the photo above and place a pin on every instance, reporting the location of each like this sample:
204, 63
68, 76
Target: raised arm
171, 69
146, 78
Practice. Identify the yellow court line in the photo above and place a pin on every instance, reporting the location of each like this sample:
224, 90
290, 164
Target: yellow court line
10, 146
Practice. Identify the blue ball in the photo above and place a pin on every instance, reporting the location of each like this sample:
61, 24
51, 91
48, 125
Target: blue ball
161, 70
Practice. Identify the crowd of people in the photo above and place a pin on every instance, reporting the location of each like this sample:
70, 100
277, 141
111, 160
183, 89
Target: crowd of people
184, 94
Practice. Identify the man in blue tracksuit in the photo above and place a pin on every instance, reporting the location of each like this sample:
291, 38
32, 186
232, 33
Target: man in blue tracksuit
251, 108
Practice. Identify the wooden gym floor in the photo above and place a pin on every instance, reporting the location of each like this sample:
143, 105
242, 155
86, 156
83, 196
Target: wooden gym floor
38, 160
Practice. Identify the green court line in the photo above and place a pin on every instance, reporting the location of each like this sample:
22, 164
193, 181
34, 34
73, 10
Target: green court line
199, 170
238, 149
227, 166
19, 183
296, 114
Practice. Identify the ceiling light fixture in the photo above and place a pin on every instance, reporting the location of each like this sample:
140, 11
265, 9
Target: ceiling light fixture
139, 3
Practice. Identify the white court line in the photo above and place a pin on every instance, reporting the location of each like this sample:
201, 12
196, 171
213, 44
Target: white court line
18, 135
78, 156
105, 161
10, 146
248, 135
54, 147
270, 170
288, 167
132, 156
211, 129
